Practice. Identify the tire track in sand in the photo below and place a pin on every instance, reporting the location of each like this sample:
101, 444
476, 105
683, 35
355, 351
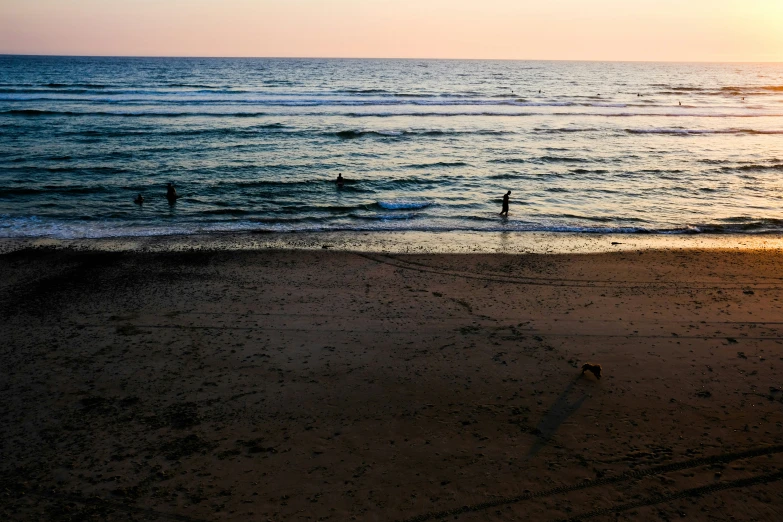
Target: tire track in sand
619, 479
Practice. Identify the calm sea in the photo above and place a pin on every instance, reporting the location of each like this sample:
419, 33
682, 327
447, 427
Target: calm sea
254, 144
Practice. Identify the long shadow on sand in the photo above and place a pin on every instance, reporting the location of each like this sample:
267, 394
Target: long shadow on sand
566, 405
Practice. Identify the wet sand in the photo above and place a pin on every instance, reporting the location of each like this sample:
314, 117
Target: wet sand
409, 242
318, 385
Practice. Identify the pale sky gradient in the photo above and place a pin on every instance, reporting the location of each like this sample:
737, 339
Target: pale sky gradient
666, 30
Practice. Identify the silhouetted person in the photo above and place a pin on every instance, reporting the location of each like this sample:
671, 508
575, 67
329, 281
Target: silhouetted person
139, 199
171, 193
340, 180
504, 211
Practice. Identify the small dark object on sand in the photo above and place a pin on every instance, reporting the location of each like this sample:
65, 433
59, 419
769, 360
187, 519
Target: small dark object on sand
595, 369
616, 243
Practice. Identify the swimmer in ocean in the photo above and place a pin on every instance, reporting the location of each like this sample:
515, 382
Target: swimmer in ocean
139, 199
339, 180
171, 193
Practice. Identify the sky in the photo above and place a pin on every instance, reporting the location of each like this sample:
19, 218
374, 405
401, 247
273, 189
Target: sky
635, 30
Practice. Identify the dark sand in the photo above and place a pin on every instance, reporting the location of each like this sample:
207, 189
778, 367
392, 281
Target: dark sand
337, 386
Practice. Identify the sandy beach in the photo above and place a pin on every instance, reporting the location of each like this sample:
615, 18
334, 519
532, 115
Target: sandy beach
325, 385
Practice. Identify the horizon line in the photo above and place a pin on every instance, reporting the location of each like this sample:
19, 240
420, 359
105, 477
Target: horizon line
197, 57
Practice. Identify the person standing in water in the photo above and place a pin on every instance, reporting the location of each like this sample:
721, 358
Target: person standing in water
340, 180
171, 193
504, 211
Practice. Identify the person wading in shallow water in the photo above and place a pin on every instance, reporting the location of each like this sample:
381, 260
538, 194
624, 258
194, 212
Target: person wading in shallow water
171, 193
504, 211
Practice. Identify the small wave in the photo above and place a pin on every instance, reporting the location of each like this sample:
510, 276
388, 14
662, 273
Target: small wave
737, 89
439, 164
561, 159
661, 171
432, 114
282, 183
50, 189
728, 89
597, 219
588, 171
509, 160
565, 130
429, 114
30, 112
701, 131
693, 115
680, 89
225, 212
191, 86
350, 135
366, 91
75, 85
386, 217
269, 126
505, 176
736, 225
753, 167
402, 204
152, 114
710, 161
354, 134
235, 115
569, 114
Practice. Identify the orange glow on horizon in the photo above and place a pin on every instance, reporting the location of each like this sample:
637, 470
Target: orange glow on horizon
664, 30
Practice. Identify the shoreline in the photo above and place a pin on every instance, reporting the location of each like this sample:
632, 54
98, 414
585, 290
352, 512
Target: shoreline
407, 242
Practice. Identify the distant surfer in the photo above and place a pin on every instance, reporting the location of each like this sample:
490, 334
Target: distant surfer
139, 200
340, 180
504, 211
171, 193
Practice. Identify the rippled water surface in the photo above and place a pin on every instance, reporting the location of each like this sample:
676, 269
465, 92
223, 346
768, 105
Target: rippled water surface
254, 144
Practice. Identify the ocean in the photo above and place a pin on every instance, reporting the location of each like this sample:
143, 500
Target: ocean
424, 145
